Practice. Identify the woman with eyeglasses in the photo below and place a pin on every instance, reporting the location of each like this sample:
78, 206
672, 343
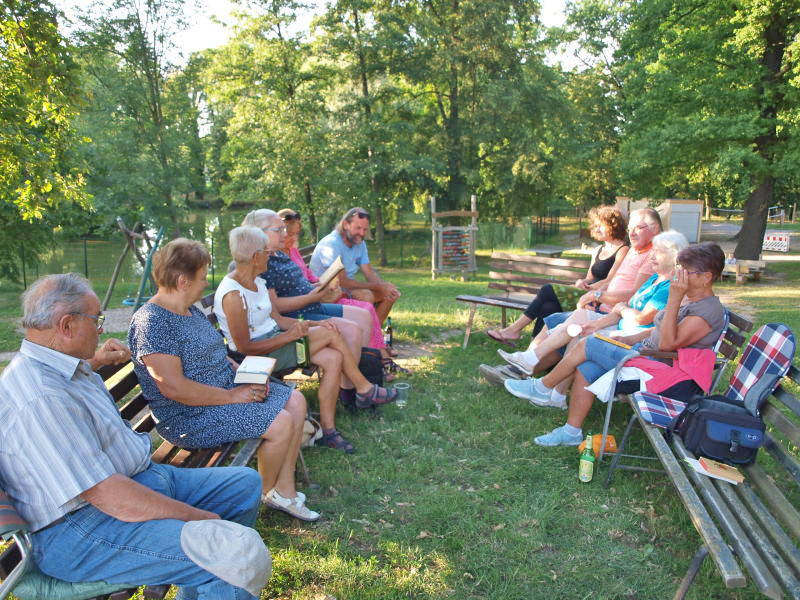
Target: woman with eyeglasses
693, 318
607, 225
247, 311
293, 223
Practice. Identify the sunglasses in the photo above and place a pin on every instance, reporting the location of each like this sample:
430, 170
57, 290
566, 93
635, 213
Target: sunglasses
294, 217
360, 214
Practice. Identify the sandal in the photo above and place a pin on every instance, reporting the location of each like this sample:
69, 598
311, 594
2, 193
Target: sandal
495, 335
334, 439
375, 397
391, 367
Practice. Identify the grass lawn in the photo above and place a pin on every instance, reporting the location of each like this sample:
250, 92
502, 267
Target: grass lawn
449, 497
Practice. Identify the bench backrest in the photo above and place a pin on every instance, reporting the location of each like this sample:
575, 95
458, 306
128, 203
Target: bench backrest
306, 252
522, 273
123, 385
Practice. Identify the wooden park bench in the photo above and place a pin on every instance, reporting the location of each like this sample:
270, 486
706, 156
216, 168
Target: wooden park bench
744, 269
757, 520
124, 387
519, 277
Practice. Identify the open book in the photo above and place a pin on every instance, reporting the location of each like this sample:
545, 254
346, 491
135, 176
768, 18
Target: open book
331, 273
255, 369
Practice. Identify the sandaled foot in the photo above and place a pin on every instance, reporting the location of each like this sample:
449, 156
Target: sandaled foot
498, 336
375, 397
333, 439
389, 366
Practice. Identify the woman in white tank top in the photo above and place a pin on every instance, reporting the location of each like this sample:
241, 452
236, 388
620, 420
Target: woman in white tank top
246, 313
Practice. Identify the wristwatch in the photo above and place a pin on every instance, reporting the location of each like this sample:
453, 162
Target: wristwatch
597, 295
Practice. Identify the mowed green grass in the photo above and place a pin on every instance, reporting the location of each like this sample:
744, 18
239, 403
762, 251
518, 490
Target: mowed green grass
449, 497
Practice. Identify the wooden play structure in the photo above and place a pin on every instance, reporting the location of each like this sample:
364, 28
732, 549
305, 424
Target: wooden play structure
453, 246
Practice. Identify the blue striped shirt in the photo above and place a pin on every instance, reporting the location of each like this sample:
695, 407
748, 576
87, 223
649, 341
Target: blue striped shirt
60, 434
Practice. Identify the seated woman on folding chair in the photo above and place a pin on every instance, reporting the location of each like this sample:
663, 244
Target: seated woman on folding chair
245, 309
693, 318
626, 318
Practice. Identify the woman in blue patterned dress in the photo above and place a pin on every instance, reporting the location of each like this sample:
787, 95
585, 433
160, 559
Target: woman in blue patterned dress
188, 380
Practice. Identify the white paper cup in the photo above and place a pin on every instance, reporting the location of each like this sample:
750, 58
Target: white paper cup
574, 330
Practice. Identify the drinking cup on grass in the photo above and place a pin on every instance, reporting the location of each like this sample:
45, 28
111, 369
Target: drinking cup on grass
402, 393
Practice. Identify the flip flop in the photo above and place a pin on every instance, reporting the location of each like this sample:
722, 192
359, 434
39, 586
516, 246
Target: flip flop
492, 333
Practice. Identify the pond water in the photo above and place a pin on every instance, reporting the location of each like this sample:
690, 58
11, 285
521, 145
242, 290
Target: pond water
97, 258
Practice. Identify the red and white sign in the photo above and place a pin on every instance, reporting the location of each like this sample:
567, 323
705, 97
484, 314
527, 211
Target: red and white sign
777, 241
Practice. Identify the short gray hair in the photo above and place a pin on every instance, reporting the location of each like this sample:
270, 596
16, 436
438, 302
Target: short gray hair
245, 241
51, 297
671, 241
259, 217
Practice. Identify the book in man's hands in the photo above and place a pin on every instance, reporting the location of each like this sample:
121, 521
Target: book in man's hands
255, 369
331, 273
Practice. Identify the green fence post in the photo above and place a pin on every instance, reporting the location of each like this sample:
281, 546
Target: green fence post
85, 259
22, 260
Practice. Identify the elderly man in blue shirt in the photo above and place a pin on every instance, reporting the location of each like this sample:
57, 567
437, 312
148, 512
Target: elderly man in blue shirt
99, 509
347, 241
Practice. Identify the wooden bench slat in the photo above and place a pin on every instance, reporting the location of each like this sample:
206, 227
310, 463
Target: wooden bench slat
734, 337
788, 400
791, 464
728, 350
511, 289
124, 386
492, 302
781, 422
741, 322
789, 515
162, 452
245, 452
559, 262
771, 527
723, 557
180, 458
133, 407
771, 558
549, 272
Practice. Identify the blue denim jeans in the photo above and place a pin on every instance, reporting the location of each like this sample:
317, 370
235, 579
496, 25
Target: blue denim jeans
602, 357
92, 546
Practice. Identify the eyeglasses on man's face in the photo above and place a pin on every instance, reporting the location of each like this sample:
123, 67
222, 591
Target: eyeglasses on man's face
100, 319
639, 226
282, 229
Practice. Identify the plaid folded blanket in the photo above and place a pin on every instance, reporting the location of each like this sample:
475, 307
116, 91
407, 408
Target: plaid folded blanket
658, 410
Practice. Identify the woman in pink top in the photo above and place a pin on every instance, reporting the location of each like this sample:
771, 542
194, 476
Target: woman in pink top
293, 227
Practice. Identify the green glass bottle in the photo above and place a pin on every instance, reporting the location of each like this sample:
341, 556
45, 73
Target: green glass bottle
586, 462
303, 349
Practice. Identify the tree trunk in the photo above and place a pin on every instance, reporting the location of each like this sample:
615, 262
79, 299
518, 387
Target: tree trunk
751, 236
374, 185
770, 98
312, 218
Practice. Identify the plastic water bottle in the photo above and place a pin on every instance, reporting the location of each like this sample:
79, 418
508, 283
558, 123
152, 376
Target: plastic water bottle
586, 462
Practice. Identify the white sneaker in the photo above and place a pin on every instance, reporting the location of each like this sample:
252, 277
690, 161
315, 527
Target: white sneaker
291, 506
516, 359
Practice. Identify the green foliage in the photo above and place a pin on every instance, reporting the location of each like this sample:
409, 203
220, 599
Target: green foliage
38, 98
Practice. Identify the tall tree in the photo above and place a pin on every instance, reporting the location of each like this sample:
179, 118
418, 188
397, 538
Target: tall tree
39, 95
138, 38
711, 94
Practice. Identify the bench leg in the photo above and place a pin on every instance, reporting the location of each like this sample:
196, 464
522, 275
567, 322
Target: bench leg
694, 567
469, 327
302, 460
620, 450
